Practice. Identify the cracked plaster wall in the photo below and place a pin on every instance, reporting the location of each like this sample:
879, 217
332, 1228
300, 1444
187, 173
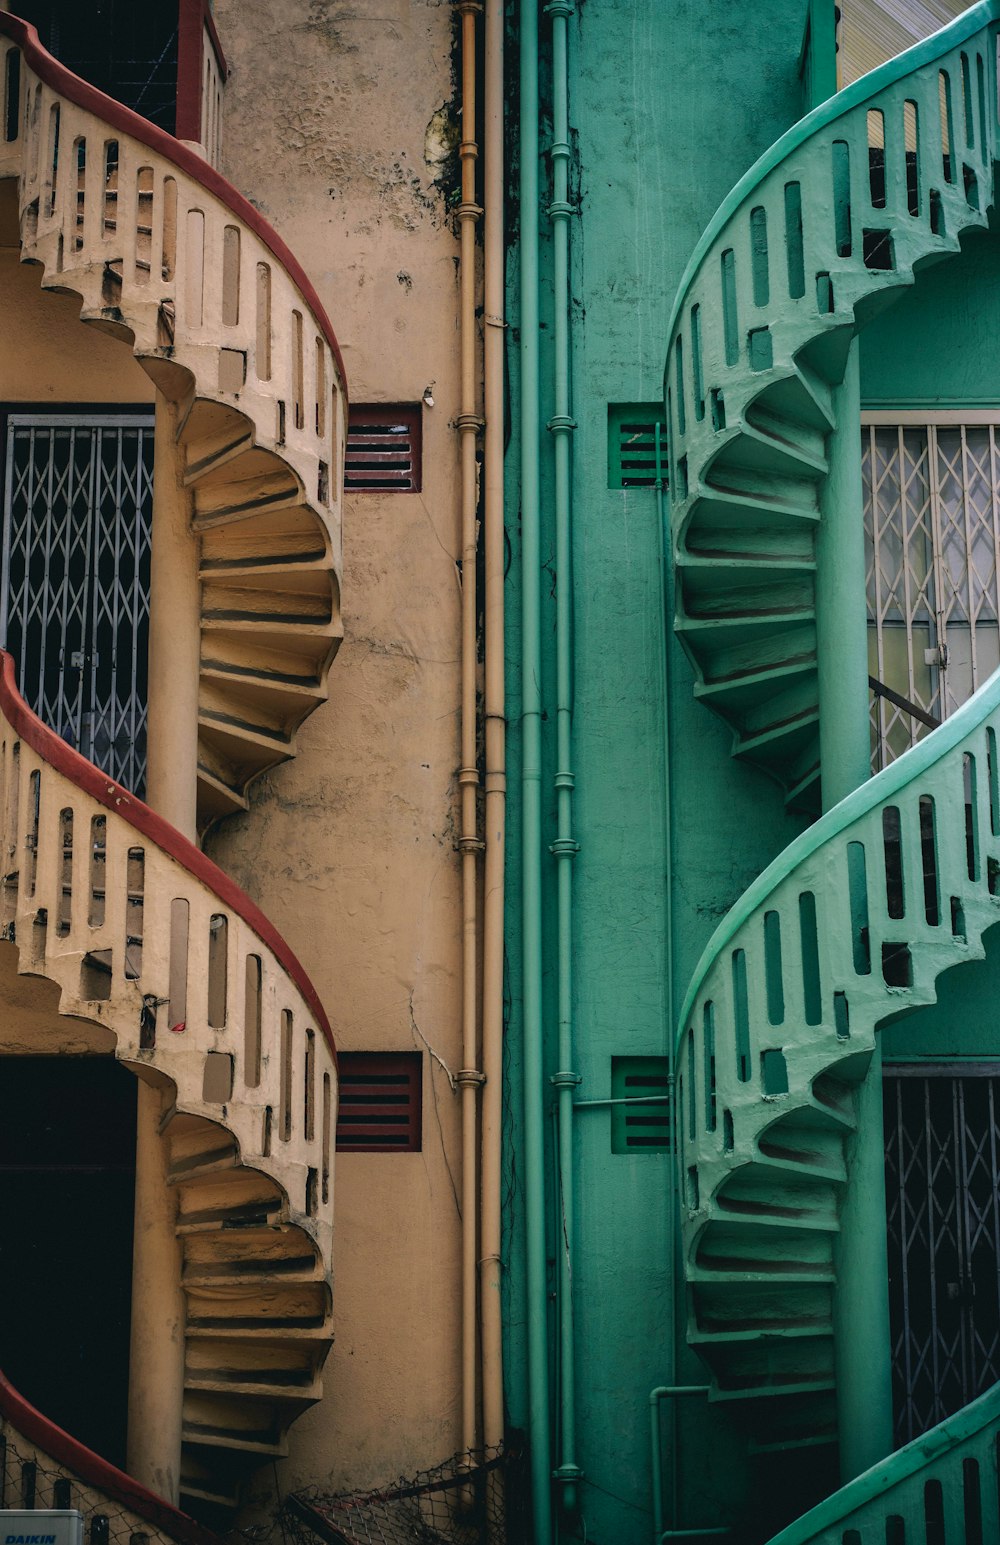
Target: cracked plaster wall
338, 126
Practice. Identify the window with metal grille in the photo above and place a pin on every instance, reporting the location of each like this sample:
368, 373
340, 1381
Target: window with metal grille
124, 49
74, 586
632, 460
383, 448
380, 1102
641, 1127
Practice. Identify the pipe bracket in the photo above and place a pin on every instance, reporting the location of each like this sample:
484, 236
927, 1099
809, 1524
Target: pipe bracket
560, 148
559, 209
566, 1080
470, 1078
470, 845
561, 423
470, 421
564, 847
560, 8
567, 1475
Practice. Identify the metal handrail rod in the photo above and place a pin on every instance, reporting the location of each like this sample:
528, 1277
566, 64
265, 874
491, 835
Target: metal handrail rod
899, 701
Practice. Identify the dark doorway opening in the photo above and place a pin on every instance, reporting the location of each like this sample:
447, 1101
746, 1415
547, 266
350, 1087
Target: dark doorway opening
67, 1183
942, 1135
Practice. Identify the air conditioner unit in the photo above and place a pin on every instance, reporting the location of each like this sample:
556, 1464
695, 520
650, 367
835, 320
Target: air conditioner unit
41, 1526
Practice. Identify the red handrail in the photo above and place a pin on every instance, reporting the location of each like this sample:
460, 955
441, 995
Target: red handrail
98, 1472
91, 100
107, 792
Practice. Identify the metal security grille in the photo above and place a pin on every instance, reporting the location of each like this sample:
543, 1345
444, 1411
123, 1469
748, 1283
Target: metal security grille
942, 1134
74, 610
933, 548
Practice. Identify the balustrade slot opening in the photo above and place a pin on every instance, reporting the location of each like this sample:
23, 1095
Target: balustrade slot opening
841, 169
934, 1521
31, 836
681, 410
64, 918
937, 214
697, 380
958, 918
80, 159
772, 969
178, 972
773, 1072
218, 970
971, 816
947, 128
878, 249
265, 1141
876, 157
857, 886
95, 976
692, 1089
312, 1189
841, 1016
972, 1502
12, 115
824, 294
252, 1022
811, 988
309, 1093
911, 137
135, 873
794, 249
285, 1091
144, 224
728, 1135
759, 257
718, 408
708, 1044
327, 1136
967, 107
730, 322
741, 1011
217, 1086
892, 844
928, 860
897, 965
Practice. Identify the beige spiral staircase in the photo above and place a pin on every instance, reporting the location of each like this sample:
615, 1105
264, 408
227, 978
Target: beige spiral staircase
138, 932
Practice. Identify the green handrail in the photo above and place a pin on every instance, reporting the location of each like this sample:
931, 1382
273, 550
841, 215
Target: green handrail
863, 90
896, 1486
878, 790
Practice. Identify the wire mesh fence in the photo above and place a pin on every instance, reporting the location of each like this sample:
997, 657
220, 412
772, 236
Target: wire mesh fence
474, 1498
471, 1499
32, 1480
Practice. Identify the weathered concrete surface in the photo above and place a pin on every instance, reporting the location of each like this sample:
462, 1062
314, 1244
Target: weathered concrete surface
338, 125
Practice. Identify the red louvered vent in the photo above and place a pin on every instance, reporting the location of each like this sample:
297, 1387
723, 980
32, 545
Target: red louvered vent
379, 1108
383, 448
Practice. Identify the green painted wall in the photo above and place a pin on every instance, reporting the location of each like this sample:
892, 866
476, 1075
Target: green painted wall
948, 316
670, 102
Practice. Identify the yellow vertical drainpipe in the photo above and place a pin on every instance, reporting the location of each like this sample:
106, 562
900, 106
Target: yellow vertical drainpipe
491, 1337
470, 844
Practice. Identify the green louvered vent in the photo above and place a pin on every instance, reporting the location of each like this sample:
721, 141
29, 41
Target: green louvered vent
632, 444
640, 1128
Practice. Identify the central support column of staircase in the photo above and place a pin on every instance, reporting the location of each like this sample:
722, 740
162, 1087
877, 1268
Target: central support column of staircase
156, 1357
861, 1303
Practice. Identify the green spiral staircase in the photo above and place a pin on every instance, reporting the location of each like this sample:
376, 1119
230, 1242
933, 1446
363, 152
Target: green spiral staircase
855, 921
818, 236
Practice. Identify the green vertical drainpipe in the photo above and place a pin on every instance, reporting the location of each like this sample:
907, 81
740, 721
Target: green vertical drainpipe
861, 1306
820, 61
531, 773
564, 848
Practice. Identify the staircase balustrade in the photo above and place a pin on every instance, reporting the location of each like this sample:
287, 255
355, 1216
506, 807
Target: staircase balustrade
146, 937
166, 255
942, 1486
848, 928
820, 234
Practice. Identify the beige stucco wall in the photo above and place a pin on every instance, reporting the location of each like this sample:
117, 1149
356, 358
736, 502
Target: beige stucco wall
336, 126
